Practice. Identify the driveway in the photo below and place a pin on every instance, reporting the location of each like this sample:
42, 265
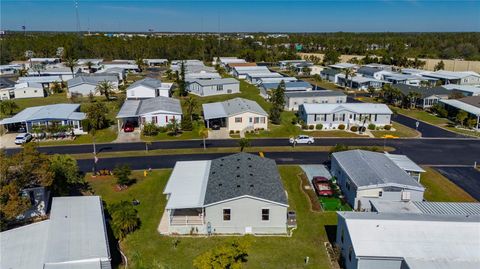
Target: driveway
219, 134
123, 137
426, 129
466, 178
8, 141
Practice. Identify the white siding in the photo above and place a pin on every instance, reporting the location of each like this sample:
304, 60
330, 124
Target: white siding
247, 122
29, 92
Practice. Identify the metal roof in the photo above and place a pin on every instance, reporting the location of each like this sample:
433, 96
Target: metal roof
464, 88
147, 82
423, 91
202, 75
343, 65
136, 108
40, 79
289, 86
315, 93
367, 70
265, 75
462, 105
368, 169
330, 71
48, 112
230, 108
424, 207
212, 82
404, 162
451, 74
244, 174
6, 83
359, 108
437, 238
187, 184
75, 234
277, 80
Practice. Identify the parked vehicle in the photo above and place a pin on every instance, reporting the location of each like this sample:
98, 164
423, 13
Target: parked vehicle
128, 127
23, 138
322, 186
302, 139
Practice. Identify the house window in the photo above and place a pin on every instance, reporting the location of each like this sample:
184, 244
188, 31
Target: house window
376, 116
227, 214
154, 119
262, 119
238, 119
256, 120
265, 214
219, 87
250, 119
380, 193
347, 184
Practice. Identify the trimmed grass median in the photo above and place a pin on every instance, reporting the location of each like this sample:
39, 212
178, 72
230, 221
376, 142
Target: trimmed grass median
145, 248
440, 189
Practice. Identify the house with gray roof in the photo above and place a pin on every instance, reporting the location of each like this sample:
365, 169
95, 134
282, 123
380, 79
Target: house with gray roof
74, 236
29, 90
470, 104
428, 96
236, 114
292, 86
63, 114
6, 88
236, 194
330, 74
209, 87
364, 175
294, 99
159, 111
149, 88
86, 84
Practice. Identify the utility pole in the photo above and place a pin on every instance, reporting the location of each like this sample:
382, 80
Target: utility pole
77, 17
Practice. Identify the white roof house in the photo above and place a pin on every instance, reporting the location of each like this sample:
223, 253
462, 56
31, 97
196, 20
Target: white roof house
40, 79
468, 89
231, 107
148, 88
47, 112
424, 207
474, 110
403, 240
360, 108
404, 162
343, 66
75, 236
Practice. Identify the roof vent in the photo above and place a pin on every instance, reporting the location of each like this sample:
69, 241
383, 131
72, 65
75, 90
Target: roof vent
249, 158
238, 175
251, 174
221, 164
238, 159
219, 184
238, 186
251, 185
213, 172
250, 165
238, 167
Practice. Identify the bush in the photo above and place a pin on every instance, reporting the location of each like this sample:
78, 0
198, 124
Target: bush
237, 131
232, 131
319, 126
341, 127
354, 128
304, 126
371, 126
186, 124
162, 129
150, 129
387, 127
362, 129
311, 127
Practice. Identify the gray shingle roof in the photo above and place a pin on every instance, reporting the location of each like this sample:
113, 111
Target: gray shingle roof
212, 82
93, 80
423, 91
135, 108
244, 174
231, 107
366, 168
147, 82
47, 112
367, 70
6, 83
316, 93
330, 71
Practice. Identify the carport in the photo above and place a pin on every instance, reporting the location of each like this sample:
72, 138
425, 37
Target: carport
128, 113
214, 113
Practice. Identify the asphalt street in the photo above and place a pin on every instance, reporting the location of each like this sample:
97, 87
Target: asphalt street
426, 129
466, 178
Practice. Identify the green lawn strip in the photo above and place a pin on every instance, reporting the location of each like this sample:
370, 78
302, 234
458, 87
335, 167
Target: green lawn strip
145, 248
101, 136
400, 131
160, 152
423, 116
441, 189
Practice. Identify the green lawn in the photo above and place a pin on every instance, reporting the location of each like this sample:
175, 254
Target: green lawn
400, 131
145, 248
333, 204
423, 116
440, 189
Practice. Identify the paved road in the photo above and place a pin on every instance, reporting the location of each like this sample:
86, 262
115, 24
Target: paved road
466, 177
426, 129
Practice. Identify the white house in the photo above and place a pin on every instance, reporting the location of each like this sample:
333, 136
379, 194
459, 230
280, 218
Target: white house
202, 75
470, 104
46, 81
467, 90
63, 114
293, 86
276, 80
359, 82
242, 71
159, 111
427, 96
236, 114
254, 78
85, 84
330, 74
236, 194
155, 62
28, 90
450, 77
6, 89
369, 240
149, 88
210, 87
365, 175
74, 236
65, 73
296, 98
348, 114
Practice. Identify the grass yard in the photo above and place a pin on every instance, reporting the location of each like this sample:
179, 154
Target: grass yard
400, 131
145, 248
333, 204
422, 115
440, 189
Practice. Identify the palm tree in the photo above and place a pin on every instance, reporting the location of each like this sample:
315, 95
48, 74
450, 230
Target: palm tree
140, 63
243, 143
203, 132
71, 63
348, 73
89, 66
413, 97
23, 72
173, 126
191, 104
105, 88
124, 219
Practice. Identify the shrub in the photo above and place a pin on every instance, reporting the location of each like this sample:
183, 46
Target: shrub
304, 126
162, 129
311, 127
232, 131
150, 129
362, 129
387, 127
237, 131
371, 126
341, 127
319, 126
354, 128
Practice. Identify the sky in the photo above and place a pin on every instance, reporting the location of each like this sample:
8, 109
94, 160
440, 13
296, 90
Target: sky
243, 16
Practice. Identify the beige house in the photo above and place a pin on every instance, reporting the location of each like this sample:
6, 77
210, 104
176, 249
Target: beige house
236, 114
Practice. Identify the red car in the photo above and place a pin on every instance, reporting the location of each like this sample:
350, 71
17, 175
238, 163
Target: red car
322, 186
128, 127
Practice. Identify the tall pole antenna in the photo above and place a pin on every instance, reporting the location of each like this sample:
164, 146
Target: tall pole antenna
77, 16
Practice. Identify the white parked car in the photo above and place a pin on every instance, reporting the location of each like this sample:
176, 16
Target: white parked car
23, 138
302, 139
